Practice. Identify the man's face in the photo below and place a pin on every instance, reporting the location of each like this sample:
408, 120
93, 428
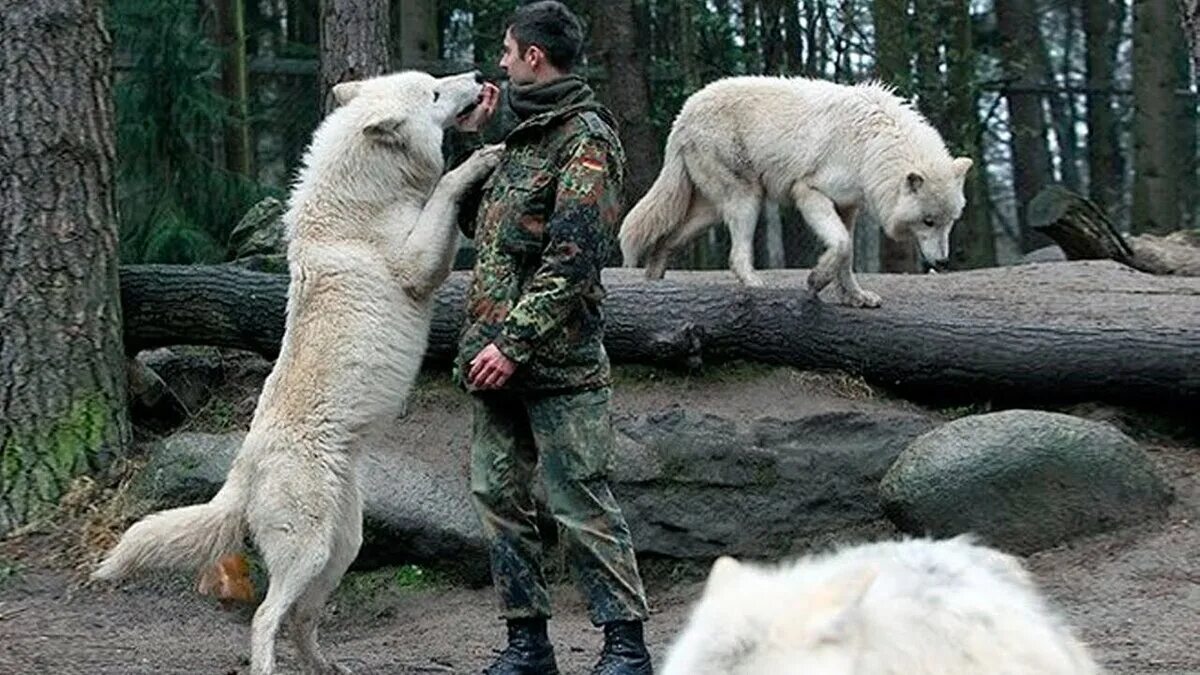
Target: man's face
520, 67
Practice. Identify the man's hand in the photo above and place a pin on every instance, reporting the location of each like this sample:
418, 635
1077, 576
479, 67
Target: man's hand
490, 368
489, 100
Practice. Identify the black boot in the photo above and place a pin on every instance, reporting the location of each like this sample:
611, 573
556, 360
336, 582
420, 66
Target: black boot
529, 651
624, 650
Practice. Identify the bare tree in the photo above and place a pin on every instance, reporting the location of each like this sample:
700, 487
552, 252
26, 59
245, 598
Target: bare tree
354, 43
416, 24
1190, 12
62, 403
231, 38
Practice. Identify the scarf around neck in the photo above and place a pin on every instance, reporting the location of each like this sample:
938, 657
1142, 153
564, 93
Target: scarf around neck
530, 100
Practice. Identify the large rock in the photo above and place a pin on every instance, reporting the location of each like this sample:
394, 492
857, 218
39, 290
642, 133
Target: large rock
1024, 480
413, 511
696, 485
693, 484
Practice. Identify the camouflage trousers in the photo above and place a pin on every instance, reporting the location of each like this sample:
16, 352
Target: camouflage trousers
573, 437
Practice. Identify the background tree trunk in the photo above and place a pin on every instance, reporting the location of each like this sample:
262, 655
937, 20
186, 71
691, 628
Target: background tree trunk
892, 47
354, 43
973, 239
62, 403
1018, 25
1080, 331
1105, 169
626, 91
231, 38
1155, 80
415, 24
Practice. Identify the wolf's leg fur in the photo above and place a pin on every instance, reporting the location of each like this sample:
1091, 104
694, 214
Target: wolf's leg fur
741, 214
428, 253
307, 611
835, 229
822, 217
701, 215
295, 569
851, 293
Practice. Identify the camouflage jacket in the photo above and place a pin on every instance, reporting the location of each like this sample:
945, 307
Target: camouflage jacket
546, 222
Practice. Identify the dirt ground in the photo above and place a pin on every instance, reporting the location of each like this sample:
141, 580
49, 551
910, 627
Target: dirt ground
1134, 596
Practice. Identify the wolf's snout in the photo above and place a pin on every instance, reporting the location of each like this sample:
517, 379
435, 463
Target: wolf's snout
478, 77
935, 265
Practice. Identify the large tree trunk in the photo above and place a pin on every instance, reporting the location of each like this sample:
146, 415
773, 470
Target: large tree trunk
415, 22
1105, 169
1155, 79
626, 91
1018, 26
354, 43
892, 49
1086, 330
62, 406
231, 38
973, 239
1185, 145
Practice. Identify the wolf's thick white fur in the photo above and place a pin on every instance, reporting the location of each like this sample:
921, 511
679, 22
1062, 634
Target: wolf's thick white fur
833, 150
371, 236
916, 607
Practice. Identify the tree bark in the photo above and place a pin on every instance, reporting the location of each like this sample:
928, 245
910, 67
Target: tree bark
231, 38
1105, 169
892, 49
973, 239
415, 22
1155, 79
1077, 331
63, 399
354, 43
1018, 27
626, 91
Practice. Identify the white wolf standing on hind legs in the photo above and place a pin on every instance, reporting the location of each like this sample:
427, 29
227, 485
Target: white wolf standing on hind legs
831, 149
915, 607
372, 234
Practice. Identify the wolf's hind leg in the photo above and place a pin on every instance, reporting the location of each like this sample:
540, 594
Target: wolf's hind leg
307, 611
701, 215
741, 214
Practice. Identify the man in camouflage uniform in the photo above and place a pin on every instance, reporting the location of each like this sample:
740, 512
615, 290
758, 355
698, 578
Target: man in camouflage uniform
531, 353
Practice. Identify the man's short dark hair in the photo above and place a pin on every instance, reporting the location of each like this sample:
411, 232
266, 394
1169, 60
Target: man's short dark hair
552, 27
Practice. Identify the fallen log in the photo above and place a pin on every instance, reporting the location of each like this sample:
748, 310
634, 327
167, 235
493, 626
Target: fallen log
1059, 331
1083, 232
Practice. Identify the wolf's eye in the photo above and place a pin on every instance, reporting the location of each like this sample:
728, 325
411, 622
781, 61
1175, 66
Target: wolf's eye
929, 222
435, 96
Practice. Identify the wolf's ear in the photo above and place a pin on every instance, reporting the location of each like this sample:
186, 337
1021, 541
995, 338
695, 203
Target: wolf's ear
914, 181
344, 91
845, 596
389, 132
724, 571
961, 166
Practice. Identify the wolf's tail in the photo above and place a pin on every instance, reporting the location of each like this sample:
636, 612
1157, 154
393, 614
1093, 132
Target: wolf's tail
186, 537
660, 211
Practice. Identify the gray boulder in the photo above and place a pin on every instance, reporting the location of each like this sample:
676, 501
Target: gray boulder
696, 485
1023, 480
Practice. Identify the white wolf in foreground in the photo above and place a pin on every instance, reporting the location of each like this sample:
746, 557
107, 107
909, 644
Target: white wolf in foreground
371, 236
916, 607
832, 149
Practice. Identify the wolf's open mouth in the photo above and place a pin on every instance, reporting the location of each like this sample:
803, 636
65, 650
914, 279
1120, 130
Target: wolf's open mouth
470, 107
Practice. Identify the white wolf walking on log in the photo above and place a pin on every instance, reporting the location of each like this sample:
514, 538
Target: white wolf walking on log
916, 607
831, 149
372, 235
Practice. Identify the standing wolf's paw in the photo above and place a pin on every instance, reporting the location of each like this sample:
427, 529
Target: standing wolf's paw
481, 163
861, 298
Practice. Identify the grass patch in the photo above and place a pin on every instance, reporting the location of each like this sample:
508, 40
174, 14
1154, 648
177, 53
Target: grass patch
9, 571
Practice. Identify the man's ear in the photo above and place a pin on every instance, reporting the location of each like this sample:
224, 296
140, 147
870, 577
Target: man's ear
344, 91
390, 131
